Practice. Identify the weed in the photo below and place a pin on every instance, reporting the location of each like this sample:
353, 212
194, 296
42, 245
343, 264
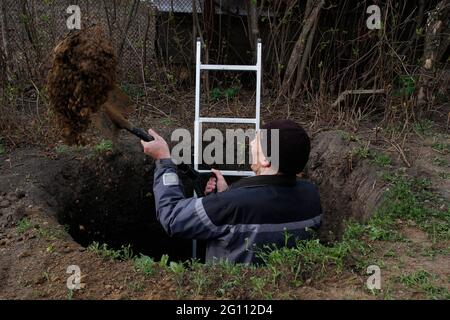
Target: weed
406, 199
63, 149
178, 270
348, 137
144, 264
362, 152
440, 162
444, 175
124, 253
200, 281
441, 147
424, 127
425, 281
218, 94
405, 85
381, 159
377, 158
166, 121
2, 149
258, 285
104, 146
164, 260
51, 233
50, 248
309, 258
23, 225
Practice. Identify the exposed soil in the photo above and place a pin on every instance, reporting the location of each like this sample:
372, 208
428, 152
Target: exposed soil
107, 197
349, 187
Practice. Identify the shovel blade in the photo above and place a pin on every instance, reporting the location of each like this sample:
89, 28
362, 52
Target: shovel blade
119, 103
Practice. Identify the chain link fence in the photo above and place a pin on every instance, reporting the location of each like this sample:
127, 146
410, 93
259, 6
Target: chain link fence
30, 29
150, 37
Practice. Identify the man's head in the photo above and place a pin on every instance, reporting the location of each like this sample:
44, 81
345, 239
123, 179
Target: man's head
292, 152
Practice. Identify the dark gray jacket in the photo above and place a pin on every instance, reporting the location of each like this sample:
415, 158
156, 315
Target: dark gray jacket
252, 213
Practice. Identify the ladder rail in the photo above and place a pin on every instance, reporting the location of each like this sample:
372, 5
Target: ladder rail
199, 120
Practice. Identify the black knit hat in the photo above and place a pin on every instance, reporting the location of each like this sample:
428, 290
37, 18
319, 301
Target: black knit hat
294, 145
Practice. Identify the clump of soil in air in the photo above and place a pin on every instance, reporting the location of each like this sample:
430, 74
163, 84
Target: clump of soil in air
82, 74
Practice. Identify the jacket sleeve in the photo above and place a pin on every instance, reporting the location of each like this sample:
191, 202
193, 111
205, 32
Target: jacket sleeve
180, 216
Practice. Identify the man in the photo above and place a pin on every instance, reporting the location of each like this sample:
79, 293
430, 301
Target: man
271, 208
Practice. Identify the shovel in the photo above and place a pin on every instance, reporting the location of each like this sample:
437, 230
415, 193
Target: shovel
116, 107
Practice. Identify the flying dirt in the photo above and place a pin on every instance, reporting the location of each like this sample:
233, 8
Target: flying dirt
81, 79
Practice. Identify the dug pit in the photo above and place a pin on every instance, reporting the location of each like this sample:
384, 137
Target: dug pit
107, 197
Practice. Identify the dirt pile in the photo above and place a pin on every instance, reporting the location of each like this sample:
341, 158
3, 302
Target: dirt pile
82, 74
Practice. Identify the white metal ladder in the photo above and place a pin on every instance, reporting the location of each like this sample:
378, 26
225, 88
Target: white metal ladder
200, 120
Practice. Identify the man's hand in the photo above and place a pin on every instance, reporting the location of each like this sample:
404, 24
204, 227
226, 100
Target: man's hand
158, 148
219, 180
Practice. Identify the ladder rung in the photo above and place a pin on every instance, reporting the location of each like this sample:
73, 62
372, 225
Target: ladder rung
232, 173
227, 120
230, 67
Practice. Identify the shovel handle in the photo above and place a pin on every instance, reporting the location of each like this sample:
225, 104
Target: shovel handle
141, 134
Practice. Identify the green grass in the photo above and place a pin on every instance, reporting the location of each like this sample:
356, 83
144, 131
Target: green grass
104, 146
441, 147
425, 281
258, 285
411, 199
63, 149
440, 162
377, 158
310, 258
197, 277
124, 253
381, 159
424, 127
167, 121
444, 175
51, 233
69, 295
164, 261
218, 94
404, 86
23, 225
348, 137
362, 152
2, 149
144, 264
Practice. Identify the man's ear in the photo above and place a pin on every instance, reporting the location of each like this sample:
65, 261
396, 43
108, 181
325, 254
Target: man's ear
265, 163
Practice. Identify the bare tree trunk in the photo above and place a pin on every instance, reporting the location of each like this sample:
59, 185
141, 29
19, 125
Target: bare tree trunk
433, 47
299, 48
4, 50
305, 59
252, 19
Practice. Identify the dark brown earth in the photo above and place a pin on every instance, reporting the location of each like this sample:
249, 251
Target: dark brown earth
82, 73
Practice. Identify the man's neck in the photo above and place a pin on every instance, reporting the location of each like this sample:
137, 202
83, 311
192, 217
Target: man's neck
267, 172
